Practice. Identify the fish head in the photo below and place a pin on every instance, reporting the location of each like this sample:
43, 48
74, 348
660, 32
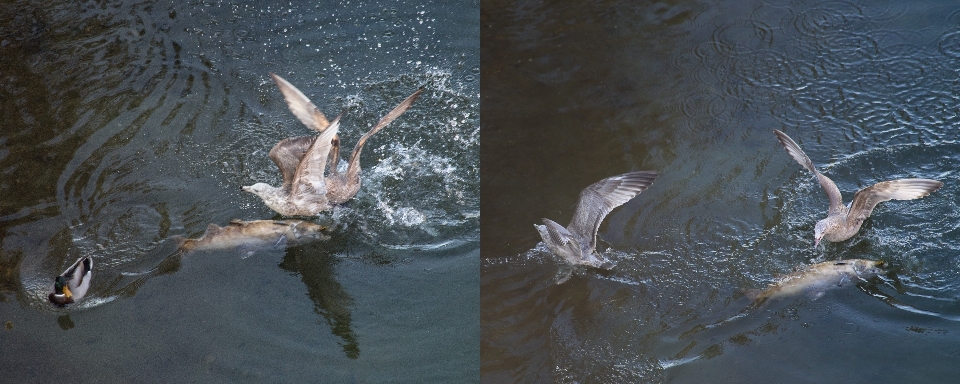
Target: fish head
867, 269
310, 230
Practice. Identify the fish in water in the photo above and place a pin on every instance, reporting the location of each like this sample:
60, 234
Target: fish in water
818, 278
303, 160
255, 234
577, 243
843, 222
73, 283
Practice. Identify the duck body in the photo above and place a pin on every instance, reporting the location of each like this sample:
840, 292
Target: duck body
73, 283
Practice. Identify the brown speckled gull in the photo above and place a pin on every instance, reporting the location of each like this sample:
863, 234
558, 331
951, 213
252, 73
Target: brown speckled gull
577, 242
843, 222
303, 160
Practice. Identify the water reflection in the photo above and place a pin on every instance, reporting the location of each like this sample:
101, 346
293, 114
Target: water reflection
316, 268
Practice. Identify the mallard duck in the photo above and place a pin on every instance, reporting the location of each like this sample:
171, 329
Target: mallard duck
303, 160
73, 283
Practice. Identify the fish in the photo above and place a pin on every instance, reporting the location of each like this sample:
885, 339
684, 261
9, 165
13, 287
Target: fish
255, 234
818, 278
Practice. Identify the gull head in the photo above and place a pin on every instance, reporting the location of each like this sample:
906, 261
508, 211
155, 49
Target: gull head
259, 189
819, 231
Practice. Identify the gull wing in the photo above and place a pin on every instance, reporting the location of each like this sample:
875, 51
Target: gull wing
903, 189
597, 200
287, 155
300, 105
554, 234
353, 165
309, 176
833, 193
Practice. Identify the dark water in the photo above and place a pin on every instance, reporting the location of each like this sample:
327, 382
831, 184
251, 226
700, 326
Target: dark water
126, 123
574, 92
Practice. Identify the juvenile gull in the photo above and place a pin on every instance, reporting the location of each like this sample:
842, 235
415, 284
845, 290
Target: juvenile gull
304, 190
843, 222
577, 242
291, 154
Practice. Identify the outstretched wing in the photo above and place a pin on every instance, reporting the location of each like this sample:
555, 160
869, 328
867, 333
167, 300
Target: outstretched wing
287, 155
833, 193
309, 176
903, 189
597, 200
300, 105
352, 166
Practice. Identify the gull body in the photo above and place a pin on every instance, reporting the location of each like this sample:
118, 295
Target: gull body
306, 191
842, 222
577, 242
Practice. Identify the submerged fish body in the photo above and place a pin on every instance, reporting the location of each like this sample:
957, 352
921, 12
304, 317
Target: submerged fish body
258, 233
818, 278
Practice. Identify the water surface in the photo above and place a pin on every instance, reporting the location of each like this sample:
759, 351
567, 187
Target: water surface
126, 123
574, 92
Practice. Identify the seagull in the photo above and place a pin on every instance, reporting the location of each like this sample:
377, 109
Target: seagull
304, 191
73, 283
302, 160
577, 243
843, 222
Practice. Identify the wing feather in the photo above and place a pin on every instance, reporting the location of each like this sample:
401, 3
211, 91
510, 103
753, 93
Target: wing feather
833, 193
309, 176
353, 165
300, 105
597, 200
287, 155
903, 189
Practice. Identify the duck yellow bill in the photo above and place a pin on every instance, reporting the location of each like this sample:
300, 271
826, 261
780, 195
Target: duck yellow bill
66, 291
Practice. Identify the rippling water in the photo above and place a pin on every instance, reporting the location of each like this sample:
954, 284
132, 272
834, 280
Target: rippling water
129, 122
574, 92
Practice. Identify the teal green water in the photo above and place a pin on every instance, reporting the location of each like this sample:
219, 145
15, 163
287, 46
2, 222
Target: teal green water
127, 123
574, 92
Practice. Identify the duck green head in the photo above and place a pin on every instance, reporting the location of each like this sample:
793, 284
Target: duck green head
61, 293
60, 287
